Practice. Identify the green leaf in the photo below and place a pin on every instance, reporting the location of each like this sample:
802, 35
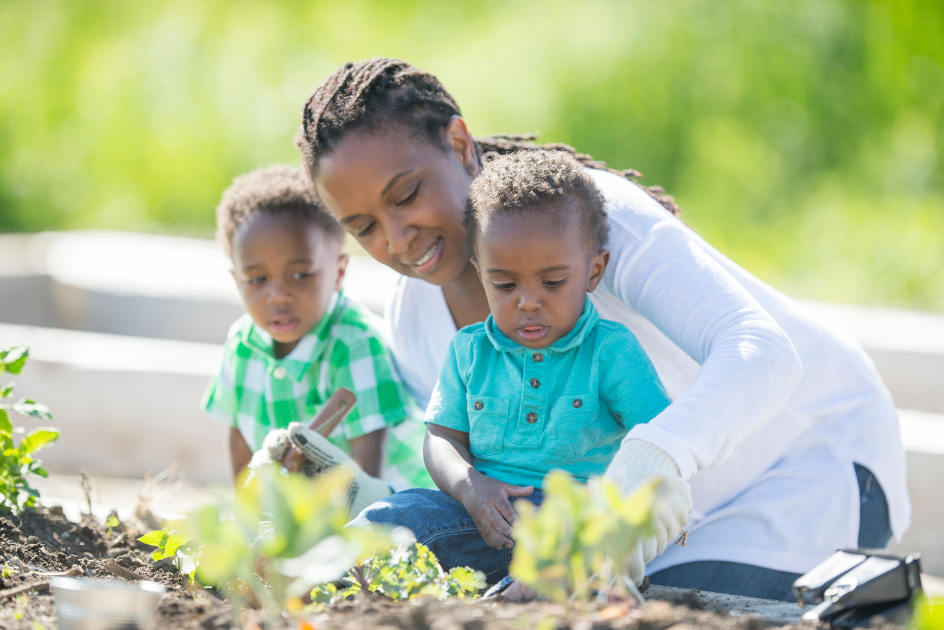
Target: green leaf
7, 390
153, 538
5, 425
13, 359
38, 439
29, 407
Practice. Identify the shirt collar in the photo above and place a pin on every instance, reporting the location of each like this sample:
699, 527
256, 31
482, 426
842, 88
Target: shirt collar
309, 349
588, 319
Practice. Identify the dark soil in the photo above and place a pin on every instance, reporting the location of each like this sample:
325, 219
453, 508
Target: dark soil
44, 541
35, 543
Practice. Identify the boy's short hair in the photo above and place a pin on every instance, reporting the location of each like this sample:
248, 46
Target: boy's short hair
537, 181
273, 189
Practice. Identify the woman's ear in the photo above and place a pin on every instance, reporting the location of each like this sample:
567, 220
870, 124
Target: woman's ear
597, 268
460, 141
342, 269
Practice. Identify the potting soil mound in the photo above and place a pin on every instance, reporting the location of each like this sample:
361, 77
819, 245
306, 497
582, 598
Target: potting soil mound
36, 543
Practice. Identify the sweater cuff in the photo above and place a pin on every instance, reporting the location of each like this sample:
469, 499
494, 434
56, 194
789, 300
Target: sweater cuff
674, 446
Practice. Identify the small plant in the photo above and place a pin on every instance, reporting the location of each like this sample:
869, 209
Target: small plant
409, 571
7, 571
18, 460
111, 523
581, 537
277, 538
171, 543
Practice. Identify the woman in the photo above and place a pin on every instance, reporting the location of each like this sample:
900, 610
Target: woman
780, 429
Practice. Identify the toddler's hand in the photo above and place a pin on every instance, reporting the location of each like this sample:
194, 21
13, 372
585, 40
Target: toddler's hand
489, 505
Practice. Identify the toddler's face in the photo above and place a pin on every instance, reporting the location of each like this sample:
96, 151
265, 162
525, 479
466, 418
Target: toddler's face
537, 271
286, 270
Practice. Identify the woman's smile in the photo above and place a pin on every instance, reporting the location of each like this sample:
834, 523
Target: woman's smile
430, 259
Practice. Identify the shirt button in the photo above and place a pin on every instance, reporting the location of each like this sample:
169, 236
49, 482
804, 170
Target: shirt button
279, 372
478, 405
537, 357
578, 403
535, 383
532, 418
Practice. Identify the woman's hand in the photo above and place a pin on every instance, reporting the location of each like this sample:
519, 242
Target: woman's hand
488, 502
638, 462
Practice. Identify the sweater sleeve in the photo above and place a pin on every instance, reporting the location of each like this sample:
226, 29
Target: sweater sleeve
749, 367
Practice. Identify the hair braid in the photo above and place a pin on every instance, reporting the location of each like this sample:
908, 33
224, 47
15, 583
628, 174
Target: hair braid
490, 147
379, 93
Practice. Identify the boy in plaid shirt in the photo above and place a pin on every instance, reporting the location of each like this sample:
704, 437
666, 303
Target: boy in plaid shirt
301, 339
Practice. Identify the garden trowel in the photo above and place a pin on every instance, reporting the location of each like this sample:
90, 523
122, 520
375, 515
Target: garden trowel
328, 417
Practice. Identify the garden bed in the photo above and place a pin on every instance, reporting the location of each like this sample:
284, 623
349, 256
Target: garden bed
34, 544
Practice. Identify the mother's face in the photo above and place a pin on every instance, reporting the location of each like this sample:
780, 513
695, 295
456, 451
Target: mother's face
403, 199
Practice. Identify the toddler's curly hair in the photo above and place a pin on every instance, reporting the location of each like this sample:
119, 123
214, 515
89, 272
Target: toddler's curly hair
273, 189
545, 181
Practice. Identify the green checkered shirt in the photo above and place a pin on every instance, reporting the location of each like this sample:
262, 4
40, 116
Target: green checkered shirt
256, 392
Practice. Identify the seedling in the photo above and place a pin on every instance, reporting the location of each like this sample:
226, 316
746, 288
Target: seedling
272, 542
581, 538
171, 543
112, 522
410, 571
18, 461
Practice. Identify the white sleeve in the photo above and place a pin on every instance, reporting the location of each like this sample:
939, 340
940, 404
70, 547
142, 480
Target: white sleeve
748, 366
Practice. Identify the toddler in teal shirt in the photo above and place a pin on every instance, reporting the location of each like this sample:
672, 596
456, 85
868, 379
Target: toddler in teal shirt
543, 383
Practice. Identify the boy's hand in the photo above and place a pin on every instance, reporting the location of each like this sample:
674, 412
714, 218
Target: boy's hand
488, 503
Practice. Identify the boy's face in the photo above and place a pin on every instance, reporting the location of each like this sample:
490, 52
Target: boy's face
286, 270
536, 270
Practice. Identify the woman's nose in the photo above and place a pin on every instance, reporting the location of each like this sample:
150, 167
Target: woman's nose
399, 237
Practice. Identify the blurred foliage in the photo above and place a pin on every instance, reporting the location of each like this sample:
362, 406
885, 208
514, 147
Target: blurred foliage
800, 138
581, 538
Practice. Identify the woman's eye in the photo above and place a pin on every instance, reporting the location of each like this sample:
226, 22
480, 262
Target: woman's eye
508, 286
410, 198
366, 230
554, 283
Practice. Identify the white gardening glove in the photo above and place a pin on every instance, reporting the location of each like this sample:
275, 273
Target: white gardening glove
638, 462
324, 458
274, 446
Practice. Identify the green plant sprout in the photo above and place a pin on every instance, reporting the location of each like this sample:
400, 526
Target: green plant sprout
581, 538
7, 571
409, 571
111, 523
272, 542
171, 543
18, 461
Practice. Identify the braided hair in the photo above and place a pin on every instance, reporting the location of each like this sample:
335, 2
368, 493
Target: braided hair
381, 93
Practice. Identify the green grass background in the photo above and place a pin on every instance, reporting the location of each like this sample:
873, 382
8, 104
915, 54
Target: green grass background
801, 138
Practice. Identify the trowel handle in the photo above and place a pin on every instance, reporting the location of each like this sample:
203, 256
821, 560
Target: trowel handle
328, 417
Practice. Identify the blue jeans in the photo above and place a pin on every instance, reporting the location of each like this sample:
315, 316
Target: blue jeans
753, 581
443, 524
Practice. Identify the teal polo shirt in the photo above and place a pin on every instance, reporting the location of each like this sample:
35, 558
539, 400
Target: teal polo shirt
566, 406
